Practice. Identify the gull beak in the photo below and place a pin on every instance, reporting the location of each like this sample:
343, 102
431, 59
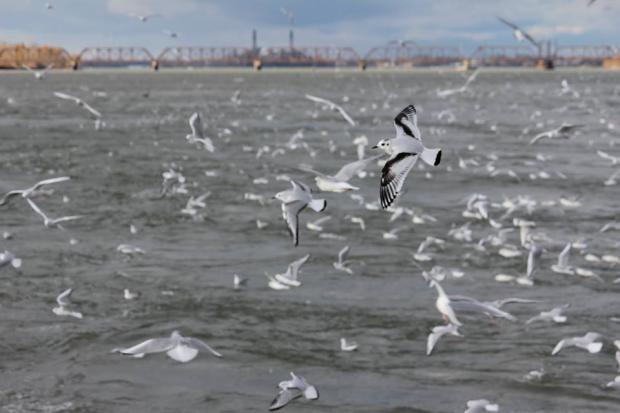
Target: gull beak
375, 147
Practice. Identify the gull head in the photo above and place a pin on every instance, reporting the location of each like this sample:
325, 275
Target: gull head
383, 144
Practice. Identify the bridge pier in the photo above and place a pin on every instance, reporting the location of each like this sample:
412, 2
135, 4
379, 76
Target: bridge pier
545, 64
257, 64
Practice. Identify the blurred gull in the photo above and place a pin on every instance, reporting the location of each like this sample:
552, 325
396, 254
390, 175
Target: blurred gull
294, 201
562, 266
26, 193
290, 390
332, 106
7, 258
316, 224
588, 342
444, 305
342, 263
197, 135
448, 92
561, 132
481, 405
290, 277
80, 103
347, 345
63, 303
49, 222
555, 315
39, 74
177, 347
438, 332
339, 181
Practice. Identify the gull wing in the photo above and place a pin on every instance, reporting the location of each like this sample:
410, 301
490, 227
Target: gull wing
471, 304
317, 99
283, 398
517, 28
345, 115
153, 345
36, 209
471, 78
5, 199
349, 170
406, 123
509, 24
291, 216
393, 177
63, 297
195, 122
566, 127
68, 218
539, 137
293, 268
343, 254
67, 97
200, 345
28, 69
48, 182
564, 256
89, 108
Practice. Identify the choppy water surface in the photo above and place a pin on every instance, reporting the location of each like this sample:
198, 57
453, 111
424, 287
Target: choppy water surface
51, 363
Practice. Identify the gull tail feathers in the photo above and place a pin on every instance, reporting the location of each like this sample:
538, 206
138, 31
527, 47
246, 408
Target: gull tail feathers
318, 205
431, 156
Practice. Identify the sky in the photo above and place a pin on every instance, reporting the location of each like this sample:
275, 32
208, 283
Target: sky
361, 24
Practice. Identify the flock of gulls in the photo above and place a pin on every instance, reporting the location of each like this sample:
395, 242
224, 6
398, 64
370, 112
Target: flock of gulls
512, 235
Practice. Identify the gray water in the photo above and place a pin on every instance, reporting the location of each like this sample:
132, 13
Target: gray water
52, 364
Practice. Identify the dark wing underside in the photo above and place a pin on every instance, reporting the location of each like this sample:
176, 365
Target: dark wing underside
393, 177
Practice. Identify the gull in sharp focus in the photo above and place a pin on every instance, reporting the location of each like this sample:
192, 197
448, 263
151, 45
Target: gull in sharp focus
294, 201
555, 314
49, 222
80, 103
197, 135
332, 106
404, 150
347, 345
437, 333
63, 303
39, 74
519, 33
290, 277
340, 181
290, 390
587, 342
26, 193
342, 263
481, 405
562, 131
177, 347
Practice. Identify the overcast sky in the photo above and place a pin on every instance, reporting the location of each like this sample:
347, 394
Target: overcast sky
74, 24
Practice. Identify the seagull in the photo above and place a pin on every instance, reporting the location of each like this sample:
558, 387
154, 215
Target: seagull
555, 315
532, 264
290, 277
347, 345
49, 222
197, 135
7, 258
587, 342
177, 347
404, 150
463, 303
560, 132
562, 266
316, 224
393, 233
145, 17
129, 295
447, 92
39, 74
615, 384
613, 225
339, 181
63, 303
341, 264
444, 305
80, 103
481, 405
332, 106
275, 284
294, 201
615, 160
171, 34
26, 193
438, 332
49, 6
357, 220
238, 281
292, 389
519, 33
130, 250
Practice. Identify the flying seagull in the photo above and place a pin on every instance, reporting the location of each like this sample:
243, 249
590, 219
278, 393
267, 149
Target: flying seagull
39, 74
447, 92
519, 33
63, 303
331, 105
26, 193
339, 181
290, 277
437, 333
294, 201
561, 132
177, 347
49, 222
587, 342
404, 150
145, 17
290, 390
197, 135
342, 263
79, 102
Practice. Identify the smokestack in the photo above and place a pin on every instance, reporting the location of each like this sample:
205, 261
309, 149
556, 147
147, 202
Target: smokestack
291, 39
254, 43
